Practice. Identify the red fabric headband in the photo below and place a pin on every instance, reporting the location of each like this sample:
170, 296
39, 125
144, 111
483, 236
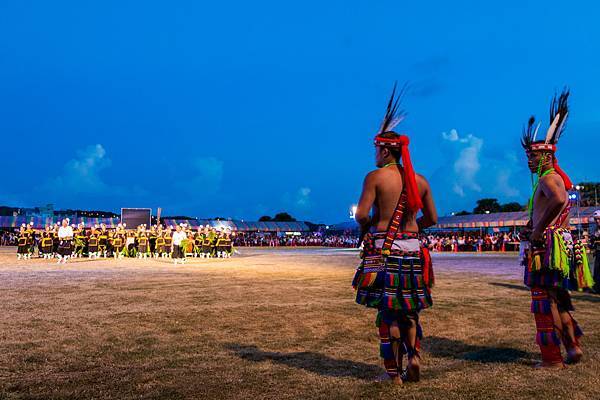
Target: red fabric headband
413, 198
542, 146
401, 140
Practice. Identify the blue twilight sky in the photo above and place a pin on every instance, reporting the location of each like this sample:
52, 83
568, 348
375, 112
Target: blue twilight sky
246, 108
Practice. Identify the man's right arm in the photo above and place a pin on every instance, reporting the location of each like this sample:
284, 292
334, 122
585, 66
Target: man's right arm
367, 198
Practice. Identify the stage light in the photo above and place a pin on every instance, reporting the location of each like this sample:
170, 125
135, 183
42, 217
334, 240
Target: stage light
353, 211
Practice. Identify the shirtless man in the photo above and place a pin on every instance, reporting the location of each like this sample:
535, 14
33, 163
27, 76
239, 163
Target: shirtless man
392, 254
548, 247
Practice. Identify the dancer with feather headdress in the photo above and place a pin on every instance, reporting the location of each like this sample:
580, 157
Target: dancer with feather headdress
395, 275
554, 262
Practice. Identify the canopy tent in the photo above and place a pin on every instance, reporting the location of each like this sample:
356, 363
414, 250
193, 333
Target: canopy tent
41, 222
242, 226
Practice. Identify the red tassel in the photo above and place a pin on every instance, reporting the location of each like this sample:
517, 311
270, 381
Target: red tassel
427, 266
413, 202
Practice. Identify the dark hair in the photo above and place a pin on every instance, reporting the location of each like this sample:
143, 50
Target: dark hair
391, 135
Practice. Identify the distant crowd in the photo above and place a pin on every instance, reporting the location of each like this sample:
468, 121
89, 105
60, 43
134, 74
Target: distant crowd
8, 238
507, 241
439, 242
310, 239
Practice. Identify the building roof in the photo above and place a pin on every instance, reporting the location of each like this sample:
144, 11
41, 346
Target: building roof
234, 225
244, 226
40, 222
511, 219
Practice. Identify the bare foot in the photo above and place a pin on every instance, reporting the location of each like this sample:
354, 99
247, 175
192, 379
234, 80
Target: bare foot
413, 369
543, 364
574, 355
386, 378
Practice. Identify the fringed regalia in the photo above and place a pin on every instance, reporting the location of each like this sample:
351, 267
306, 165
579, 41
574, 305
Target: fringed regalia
23, 244
103, 242
93, 243
180, 250
207, 247
177, 252
197, 244
187, 245
118, 245
595, 248
143, 247
55, 242
65, 247
400, 281
168, 244
552, 268
79, 242
557, 263
30, 240
152, 241
395, 275
46, 243
160, 244
224, 245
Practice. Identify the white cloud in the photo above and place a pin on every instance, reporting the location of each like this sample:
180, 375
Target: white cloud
467, 162
81, 175
472, 170
80, 184
452, 136
303, 197
299, 201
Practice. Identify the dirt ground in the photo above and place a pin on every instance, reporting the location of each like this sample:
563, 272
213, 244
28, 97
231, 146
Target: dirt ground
267, 325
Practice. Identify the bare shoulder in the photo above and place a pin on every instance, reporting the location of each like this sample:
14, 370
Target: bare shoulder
422, 182
421, 178
552, 180
373, 175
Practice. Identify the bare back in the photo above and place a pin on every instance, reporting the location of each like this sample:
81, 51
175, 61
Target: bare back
381, 192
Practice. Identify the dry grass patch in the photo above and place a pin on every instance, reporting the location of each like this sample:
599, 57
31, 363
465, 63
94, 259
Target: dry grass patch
266, 325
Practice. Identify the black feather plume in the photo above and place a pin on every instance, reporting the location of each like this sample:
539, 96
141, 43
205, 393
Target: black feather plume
559, 107
393, 115
528, 133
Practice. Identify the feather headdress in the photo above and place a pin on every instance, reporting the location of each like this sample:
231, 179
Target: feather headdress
559, 112
393, 116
